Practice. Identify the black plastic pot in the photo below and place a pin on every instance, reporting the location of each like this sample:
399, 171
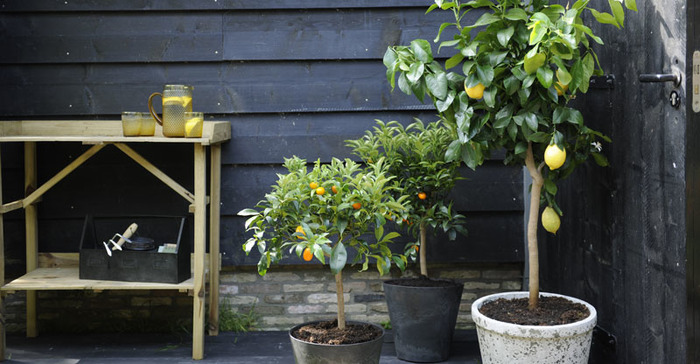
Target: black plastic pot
310, 353
423, 319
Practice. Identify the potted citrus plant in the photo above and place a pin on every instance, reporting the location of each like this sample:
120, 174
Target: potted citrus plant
327, 214
415, 156
515, 70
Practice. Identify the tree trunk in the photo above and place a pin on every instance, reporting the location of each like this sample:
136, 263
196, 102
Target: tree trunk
341, 300
422, 260
533, 256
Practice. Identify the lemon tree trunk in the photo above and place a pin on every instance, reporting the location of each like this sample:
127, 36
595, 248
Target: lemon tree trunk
533, 253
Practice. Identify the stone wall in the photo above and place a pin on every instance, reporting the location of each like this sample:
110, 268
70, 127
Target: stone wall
286, 296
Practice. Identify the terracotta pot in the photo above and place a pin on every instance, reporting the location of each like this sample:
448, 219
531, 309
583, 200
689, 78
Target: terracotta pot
506, 343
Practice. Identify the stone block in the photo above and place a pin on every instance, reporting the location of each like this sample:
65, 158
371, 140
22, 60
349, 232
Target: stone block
326, 298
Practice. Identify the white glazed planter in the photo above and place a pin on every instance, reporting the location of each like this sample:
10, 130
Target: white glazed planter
506, 343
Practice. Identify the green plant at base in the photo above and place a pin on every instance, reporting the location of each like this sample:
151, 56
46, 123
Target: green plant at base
415, 156
230, 320
530, 58
328, 211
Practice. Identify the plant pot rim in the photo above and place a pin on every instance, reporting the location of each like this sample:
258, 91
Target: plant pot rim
348, 322
453, 283
571, 329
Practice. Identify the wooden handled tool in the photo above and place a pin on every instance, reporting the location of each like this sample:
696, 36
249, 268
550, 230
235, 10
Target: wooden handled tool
126, 235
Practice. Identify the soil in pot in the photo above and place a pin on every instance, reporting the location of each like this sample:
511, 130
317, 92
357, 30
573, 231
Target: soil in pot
327, 332
550, 311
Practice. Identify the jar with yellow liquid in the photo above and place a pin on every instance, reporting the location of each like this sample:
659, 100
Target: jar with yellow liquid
177, 100
194, 122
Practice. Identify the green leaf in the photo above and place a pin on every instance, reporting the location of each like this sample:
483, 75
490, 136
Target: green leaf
421, 49
516, 14
531, 121
469, 156
437, 85
443, 105
600, 159
470, 50
389, 58
512, 84
454, 60
490, 96
563, 76
453, 151
539, 30
442, 27
415, 72
617, 11
504, 35
550, 186
378, 233
339, 257
604, 18
520, 148
533, 63
631, 4
485, 74
545, 75
486, 19
248, 212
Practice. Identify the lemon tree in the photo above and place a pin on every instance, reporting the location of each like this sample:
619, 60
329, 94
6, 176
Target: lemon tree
531, 58
300, 217
415, 158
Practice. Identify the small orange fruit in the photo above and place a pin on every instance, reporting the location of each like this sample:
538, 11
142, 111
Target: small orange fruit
422, 196
313, 185
417, 247
320, 191
356, 205
307, 255
334, 188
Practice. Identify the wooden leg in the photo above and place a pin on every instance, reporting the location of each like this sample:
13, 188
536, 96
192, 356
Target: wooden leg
2, 275
214, 232
31, 231
200, 220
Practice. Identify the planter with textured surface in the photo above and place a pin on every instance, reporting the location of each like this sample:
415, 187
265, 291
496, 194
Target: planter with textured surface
507, 343
423, 319
367, 352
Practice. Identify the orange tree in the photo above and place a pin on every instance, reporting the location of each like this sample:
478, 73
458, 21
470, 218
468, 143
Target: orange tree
507, 84
325, 212
415, 156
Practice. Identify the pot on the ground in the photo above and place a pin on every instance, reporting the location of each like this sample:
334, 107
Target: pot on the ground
506, 343
423, 319
361, 353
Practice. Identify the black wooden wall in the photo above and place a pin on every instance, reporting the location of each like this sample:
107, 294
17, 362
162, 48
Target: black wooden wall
294, 77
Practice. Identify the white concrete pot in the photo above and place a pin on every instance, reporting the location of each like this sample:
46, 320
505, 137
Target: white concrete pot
506, 343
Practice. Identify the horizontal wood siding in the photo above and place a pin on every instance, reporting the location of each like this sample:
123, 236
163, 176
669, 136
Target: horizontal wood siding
293, 78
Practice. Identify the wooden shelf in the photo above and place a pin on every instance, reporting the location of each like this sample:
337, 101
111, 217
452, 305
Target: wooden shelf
43, 279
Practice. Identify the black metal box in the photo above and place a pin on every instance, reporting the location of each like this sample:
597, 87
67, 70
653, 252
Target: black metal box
135, 265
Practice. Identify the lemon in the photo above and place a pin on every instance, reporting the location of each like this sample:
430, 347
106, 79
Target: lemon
172, 100
550, 220
475, 92
554, 157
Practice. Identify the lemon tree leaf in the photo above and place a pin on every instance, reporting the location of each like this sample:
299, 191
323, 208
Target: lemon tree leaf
533, 63
422, 51
617, 11
631, 4
604, 18
504, 35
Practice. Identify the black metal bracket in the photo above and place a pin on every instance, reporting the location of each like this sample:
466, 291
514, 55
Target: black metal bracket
602, 82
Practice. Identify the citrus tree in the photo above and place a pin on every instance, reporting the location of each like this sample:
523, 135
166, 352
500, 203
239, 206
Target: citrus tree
507, 83
323, 214
415, 156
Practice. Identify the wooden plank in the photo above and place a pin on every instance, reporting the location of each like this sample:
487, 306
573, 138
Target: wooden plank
493, 187
72, 37
200, 238
268, 138
219, 88
31, 222
67, 279
180, 5
214, 238
492, 237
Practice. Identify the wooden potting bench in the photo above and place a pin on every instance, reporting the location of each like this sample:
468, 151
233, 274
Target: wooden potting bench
99, 134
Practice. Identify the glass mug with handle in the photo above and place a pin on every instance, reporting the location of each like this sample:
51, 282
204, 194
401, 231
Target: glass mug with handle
177, 100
